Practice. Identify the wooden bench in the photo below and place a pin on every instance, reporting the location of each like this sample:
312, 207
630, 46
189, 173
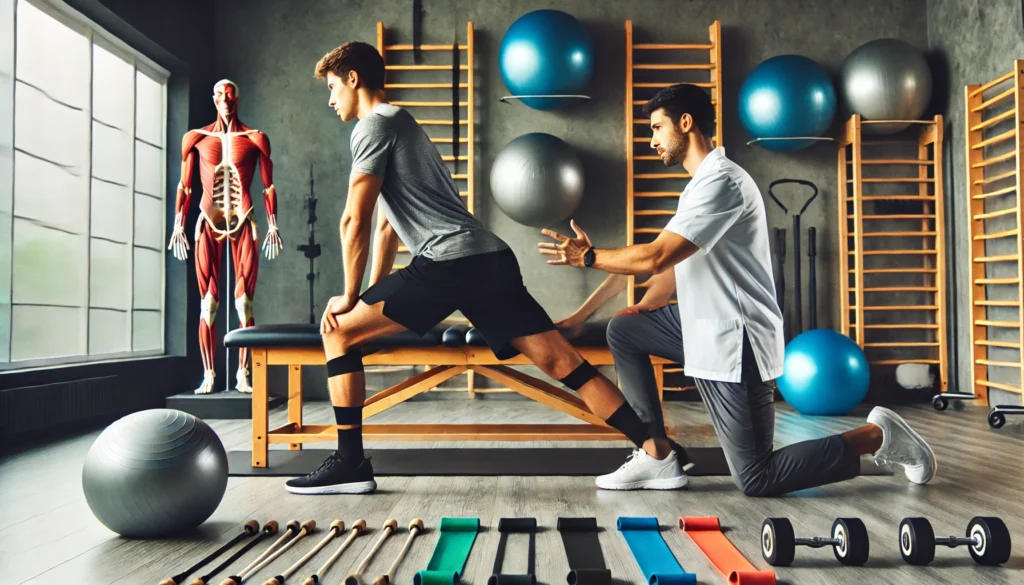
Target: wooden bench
296, 346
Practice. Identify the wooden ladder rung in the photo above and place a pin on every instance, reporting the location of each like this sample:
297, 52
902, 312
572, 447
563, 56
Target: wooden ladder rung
894, 180
894, 161
991, 84
902, 289
424, 47
458, 176
999, 364
996, 281
419, 104
986, 303
661, 176
902, 326
900, 216
903, 361
993, 120
897, 271
647, 231
1006, 344
653, 194
995, 100
651, 85
448, 140
646, 157
424, 67
450, 158
423, 86
995, 178
895, 198
434, 122
1006, 258
995, 139
994, 160
673, 67
1000, 324
998, 386
895, 252
673, 46
899, 308
996, 235
646, 212
1000, 213
995, 193
895, 234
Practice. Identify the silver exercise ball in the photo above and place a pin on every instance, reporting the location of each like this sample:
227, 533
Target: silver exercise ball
886, 79
155, 473
537, 179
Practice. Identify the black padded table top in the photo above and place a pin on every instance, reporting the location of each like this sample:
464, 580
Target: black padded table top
308, 335
590, 334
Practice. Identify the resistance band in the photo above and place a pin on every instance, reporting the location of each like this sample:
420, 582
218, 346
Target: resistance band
514, 525
706, 533
450, 553
652, 555
586, 563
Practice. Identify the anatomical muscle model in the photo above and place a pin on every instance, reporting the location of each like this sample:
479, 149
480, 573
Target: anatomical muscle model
227, 152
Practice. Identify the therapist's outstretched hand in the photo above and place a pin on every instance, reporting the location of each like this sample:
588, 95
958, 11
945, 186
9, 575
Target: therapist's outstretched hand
568, 251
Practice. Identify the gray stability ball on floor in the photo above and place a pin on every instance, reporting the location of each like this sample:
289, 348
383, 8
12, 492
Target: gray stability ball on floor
537, 179
155, 473
886, 79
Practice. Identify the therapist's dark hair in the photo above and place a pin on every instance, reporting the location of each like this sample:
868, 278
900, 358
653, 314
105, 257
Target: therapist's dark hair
685, 98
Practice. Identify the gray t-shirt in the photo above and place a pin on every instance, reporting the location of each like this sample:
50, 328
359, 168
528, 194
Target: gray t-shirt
418, 195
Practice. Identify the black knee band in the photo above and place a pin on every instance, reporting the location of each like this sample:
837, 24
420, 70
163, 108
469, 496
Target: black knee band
345, 364
580, 376
348, 415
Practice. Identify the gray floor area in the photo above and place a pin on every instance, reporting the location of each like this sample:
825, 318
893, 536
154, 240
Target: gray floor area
49, 536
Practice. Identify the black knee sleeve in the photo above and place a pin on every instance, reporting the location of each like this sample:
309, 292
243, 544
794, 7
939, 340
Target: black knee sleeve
345, 364
580, 376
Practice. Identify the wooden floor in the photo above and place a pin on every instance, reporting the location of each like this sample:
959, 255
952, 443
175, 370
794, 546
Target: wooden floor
49, 536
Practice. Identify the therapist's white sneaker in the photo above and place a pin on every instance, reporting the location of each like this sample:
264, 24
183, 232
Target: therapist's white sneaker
901, 445
643, 472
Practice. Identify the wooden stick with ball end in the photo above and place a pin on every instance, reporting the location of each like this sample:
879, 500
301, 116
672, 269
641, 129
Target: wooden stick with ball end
414, 528
356, 530
269, 529
337, 527
307, 527
251, 527
356, 578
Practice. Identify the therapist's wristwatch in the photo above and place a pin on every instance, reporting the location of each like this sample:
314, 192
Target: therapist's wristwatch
588, 257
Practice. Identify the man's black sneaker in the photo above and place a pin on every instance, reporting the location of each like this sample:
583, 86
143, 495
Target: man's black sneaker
335, 476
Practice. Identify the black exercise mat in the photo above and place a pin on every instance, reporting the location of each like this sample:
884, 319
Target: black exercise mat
497, 462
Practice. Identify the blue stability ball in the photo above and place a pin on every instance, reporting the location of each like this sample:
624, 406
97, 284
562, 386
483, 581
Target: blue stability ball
546, 52
825, 373
788, 95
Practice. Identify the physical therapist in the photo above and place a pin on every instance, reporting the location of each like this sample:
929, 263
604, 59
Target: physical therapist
726, 329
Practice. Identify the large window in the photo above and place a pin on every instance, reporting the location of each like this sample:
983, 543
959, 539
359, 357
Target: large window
82, 206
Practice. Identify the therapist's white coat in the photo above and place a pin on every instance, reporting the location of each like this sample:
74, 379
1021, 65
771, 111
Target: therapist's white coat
728, 285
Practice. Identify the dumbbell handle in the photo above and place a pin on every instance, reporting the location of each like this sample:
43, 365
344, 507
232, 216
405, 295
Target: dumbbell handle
817, 541
955, 541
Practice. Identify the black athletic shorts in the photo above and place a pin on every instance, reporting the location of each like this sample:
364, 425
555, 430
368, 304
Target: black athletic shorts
488, 288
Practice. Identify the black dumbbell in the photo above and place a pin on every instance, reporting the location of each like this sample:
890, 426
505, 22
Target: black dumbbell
987, 539
849, 541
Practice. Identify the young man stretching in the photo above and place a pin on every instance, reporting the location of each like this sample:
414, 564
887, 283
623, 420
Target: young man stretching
457, 265
727, 327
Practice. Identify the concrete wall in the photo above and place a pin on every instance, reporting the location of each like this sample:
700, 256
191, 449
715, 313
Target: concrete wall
974, 42
271, 48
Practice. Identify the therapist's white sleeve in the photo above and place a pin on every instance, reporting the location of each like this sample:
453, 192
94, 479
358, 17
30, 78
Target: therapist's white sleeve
707, 211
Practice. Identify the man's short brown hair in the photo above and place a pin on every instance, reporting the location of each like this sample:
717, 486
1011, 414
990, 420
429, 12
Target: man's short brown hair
356, 56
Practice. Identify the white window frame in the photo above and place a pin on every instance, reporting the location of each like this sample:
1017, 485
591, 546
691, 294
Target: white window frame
97, 35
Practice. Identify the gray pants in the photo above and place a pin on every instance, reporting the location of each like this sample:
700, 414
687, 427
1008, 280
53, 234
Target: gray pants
743, 414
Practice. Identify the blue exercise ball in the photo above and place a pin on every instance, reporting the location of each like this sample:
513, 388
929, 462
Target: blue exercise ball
546, 52
824, 373
787, 95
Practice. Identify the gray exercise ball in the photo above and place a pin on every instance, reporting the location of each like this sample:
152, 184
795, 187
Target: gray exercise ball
886, 79
155, 473
537, 179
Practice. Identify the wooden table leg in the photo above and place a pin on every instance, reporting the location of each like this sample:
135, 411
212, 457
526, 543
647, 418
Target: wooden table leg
295, 401
260, 405
659, 377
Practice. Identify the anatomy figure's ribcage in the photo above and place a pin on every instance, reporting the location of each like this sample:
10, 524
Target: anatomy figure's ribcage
227, 192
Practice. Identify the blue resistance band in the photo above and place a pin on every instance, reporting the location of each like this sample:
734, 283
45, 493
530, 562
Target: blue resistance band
652, 555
